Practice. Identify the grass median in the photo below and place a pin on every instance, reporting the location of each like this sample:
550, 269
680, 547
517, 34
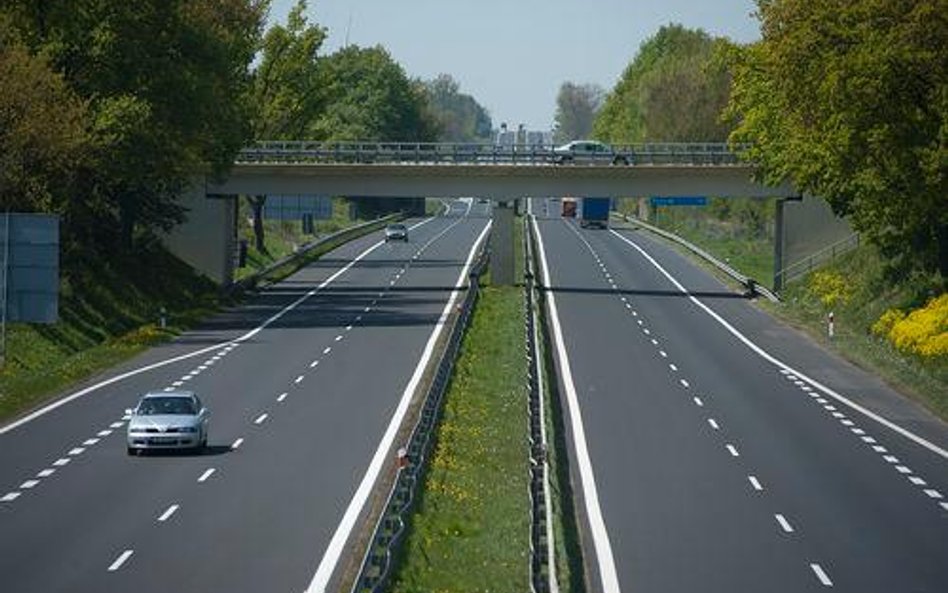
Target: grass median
470, 530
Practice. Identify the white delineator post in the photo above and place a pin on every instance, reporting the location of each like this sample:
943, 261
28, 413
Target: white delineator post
831, 325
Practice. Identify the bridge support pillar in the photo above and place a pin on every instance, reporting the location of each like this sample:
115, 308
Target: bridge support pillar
502, 248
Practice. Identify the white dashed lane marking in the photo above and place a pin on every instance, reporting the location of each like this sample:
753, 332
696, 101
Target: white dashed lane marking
46, 473
298, 380
260, 419
713, 423
698, 402
29, 484
10, 497
207, 474
76, 450
167, 514
123, 557
61, 461
237, 443
327, 349
732, 450
281, 397
755, 483
784, 524
821, 575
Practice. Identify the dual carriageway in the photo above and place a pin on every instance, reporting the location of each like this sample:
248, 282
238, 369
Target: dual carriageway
710, 447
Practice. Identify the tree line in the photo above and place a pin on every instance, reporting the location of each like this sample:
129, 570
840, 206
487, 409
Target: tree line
846, 99
109, 108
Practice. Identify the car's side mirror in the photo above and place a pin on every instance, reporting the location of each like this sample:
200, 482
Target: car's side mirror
129, 411
204, 412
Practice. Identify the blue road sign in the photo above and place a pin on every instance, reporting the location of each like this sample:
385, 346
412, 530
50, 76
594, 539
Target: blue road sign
679, 201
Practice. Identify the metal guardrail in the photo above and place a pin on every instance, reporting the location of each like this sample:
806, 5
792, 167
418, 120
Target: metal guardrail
390, 528
753, 287
252, 280
430, 153
542, 561
807, 264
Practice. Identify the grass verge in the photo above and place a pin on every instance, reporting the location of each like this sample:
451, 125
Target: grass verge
470, 530
283, 237
865, 296
109, 311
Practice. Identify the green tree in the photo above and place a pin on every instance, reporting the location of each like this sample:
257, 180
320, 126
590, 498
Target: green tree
576, 108
166, 84
848, 99
459, 117
42, 130
674, 90
287, 95
369, 97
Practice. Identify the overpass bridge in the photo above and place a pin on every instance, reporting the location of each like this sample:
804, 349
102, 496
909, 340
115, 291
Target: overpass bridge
502, 173
486, 170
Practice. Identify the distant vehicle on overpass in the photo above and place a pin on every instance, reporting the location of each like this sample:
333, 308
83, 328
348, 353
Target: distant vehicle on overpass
589, 152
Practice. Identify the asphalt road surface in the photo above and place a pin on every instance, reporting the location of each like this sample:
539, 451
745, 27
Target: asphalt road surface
302, 383
714, 450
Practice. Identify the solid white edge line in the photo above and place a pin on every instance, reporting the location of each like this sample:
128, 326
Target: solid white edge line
782, 365
597, 525
330, 557
229, 343
120, 560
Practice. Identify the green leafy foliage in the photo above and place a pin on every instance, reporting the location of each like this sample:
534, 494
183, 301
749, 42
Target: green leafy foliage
369, 97
459, 117
42, 130
674, 90
576, 108
849, 101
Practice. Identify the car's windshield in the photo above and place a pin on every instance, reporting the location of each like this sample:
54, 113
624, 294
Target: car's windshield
153, 406
396, 227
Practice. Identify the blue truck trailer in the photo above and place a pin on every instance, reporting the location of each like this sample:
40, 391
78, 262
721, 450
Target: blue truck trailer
595, 213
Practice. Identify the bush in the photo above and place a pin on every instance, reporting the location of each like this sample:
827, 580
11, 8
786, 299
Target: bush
922, 332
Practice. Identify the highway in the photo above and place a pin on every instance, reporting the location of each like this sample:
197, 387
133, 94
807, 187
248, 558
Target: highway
306, 383
713, 449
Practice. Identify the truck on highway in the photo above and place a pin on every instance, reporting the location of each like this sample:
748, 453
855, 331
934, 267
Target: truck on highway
595, 213
568, 207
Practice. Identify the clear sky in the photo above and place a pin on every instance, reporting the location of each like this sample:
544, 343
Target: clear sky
512, 55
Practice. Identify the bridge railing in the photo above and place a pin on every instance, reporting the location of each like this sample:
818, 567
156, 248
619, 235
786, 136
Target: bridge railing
433, 153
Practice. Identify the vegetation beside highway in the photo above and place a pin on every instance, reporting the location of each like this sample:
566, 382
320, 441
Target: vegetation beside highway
856, 290
110, 310
470, 530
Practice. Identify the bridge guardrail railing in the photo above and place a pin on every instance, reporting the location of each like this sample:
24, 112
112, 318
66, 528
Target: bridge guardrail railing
542, 549
299, 152
413, 458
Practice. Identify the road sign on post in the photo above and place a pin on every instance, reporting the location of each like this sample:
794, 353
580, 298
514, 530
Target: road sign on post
29, 270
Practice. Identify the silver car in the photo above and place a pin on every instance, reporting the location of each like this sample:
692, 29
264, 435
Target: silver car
167, 420
396, 232
589, 152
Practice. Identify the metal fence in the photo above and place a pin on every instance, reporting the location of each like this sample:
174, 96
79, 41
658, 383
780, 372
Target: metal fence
808, 264
390, 528
542, 563
433, 153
